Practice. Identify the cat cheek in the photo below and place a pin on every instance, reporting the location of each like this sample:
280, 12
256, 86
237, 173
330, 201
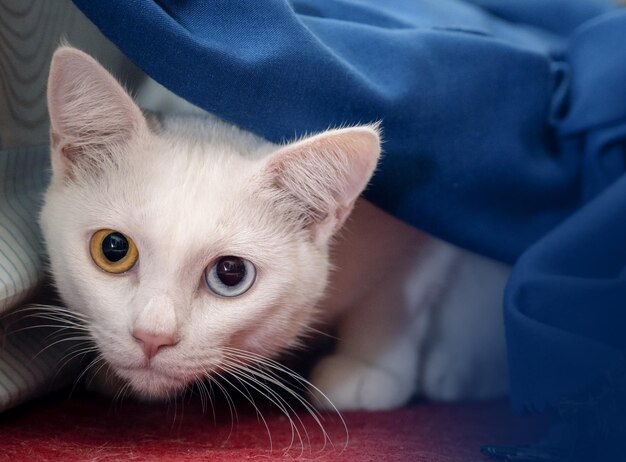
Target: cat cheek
266, 338
248, 335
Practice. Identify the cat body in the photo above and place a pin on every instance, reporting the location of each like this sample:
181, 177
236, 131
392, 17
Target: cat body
190, 248
414, 314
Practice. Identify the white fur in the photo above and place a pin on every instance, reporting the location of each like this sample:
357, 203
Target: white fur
191, 189
415, 314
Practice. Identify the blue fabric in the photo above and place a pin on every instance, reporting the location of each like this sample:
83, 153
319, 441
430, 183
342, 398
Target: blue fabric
504, 124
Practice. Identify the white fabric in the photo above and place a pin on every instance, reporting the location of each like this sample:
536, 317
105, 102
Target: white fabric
28, 367
23, 177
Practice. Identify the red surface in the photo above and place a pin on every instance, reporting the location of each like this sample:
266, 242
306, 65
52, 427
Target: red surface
91, 428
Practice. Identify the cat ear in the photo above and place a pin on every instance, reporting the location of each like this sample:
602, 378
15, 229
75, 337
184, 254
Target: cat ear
319, 178
90, 113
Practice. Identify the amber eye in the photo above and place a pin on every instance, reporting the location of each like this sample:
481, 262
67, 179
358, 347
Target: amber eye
112, 251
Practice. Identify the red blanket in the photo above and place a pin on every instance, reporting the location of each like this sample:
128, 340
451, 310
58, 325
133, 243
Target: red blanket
91, 428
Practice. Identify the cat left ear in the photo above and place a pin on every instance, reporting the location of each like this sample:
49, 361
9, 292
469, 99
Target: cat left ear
90, 113
320, 178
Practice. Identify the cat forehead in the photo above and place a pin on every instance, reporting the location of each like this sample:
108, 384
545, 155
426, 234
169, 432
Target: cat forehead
210, 132
178, 166
187, 156
192, 194
184, 181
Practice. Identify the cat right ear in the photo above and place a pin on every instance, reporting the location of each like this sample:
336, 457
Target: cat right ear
90, 113
318, 179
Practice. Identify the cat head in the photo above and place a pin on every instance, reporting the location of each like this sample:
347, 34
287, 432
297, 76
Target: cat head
183, 240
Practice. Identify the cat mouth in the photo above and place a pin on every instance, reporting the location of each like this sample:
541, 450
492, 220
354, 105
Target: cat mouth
150, 383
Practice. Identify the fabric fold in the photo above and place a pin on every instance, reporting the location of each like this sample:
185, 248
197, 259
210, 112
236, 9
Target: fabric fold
564, 305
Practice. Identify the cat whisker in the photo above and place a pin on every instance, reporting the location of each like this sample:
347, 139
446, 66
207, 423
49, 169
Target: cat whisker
77, 334
205, 397
173, 396
229, 401
65, 324
61, 324
75, 338
253, 373
87, 347
272, 367
209, 395
59, 308
182, 407
278, 381
201, 381
241, 374
197, 381
248, 397
120, 394
270, 364
317, 332
68, 357
99, 358
57, 329
61, 332
243, 380
96, 372
28, 313
109, 373
258, 374
195, 384
72, 354
41, 310
175, 399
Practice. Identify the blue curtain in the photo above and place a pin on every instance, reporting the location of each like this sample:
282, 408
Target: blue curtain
504, 126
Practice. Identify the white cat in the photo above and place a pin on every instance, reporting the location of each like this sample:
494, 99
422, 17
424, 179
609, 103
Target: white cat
190, 248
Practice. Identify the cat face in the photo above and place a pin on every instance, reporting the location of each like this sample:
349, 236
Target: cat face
182, 241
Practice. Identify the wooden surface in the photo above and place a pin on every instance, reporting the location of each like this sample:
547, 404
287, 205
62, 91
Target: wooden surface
30, 30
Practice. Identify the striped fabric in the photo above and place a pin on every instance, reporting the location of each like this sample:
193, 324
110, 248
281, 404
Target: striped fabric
23, 177
30, 360
27, 367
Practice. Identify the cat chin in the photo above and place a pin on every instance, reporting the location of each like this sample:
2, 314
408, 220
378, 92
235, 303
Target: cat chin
151, 385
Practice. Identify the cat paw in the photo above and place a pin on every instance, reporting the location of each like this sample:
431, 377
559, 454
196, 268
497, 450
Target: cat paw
442, 383
350, 384
446, 378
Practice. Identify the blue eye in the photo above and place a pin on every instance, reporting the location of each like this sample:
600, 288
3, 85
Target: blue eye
230, 276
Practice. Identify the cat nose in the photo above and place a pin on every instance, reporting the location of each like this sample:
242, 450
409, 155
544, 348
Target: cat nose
152, 343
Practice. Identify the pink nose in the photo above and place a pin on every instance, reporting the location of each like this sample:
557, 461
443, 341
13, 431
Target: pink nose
152, 343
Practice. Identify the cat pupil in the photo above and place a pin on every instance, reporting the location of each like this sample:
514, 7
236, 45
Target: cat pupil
231, 270
114, 247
